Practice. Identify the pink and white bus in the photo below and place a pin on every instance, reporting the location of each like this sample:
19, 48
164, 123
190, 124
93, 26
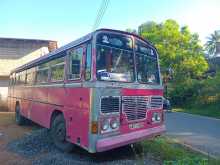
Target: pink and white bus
99, 92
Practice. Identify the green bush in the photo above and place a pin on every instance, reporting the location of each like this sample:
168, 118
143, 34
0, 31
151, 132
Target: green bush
194, 92
210, 91
184, 92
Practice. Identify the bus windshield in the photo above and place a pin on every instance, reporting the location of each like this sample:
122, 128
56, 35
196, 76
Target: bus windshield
147, 66
114, 58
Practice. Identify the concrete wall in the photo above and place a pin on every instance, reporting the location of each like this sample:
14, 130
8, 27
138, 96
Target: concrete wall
6, 65
3, 93
4, 88
16, 52
17, 48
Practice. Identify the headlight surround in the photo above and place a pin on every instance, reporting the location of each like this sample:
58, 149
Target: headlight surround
156, 117
105, 125
109, 124
114, 123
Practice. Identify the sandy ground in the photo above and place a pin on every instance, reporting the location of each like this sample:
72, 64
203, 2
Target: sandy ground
26, 145
8, 132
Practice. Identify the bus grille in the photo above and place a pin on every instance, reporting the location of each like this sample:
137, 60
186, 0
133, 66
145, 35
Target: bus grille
135, 107
110, 104
156, 102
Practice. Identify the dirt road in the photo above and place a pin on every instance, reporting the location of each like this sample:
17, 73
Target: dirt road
8, 132
25, 145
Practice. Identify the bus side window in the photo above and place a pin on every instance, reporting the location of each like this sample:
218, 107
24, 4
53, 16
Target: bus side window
42, 73
17, 78
14, 81
22, 80
88, 62
75, 58
30, 76
57, 69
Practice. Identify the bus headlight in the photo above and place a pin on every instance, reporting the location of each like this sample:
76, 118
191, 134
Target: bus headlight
114, 123
156, 117
153, 119
105, 125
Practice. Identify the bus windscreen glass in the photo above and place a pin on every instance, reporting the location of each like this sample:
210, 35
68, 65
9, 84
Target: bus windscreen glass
114, 58
147, 66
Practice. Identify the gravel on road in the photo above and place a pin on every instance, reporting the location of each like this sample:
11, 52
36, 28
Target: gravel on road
37, 147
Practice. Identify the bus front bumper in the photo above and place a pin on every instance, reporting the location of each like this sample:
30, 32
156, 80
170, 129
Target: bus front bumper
129, 138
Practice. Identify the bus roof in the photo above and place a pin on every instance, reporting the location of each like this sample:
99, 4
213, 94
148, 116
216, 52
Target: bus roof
55, 53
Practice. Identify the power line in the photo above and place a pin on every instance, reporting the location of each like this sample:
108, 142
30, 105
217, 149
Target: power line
100, 13
102, 6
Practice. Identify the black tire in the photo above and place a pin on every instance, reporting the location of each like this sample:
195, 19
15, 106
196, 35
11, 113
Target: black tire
19, 119
58, 134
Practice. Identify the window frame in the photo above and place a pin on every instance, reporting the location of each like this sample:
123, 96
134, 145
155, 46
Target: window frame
126, 50
82, 65
88, 44
148, 56
41, 82
58, 64
32, 72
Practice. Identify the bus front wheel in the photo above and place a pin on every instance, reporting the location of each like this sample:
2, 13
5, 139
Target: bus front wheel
58, 134
19, 119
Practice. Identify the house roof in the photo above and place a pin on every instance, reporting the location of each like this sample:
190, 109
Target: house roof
25, 39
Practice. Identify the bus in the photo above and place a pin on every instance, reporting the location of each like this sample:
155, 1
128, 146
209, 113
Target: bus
99, 92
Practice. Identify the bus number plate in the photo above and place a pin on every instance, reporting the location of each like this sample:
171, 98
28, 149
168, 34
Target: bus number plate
136, 125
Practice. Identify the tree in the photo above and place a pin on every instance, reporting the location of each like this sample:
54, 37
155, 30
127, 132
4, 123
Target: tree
131, 30
178, 48
211, 44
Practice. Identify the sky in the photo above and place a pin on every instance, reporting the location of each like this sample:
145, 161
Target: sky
67, 20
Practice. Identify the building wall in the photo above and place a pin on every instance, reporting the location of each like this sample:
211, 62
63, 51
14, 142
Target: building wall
6, 65
3, 93
17, 48
16, 52
3, 88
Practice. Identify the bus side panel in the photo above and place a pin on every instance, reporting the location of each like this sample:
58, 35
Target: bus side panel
57, 96
24, 101
77, 115
39, 108
25, 105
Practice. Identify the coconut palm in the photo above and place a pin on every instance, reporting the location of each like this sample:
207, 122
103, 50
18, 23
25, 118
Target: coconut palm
211, 44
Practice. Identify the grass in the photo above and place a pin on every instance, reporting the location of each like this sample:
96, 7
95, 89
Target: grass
171, 152
211, 110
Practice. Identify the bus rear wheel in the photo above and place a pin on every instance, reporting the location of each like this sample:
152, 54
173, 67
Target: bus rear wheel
19, 119
58, 134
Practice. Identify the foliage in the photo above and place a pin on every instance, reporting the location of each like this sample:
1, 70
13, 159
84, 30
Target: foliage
166, 149
196, 92
184, 91
170, 151
211, 44
131, 30
209, 92
210, 110
178, 48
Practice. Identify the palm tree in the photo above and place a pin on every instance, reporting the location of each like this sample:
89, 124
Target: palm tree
211, 44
